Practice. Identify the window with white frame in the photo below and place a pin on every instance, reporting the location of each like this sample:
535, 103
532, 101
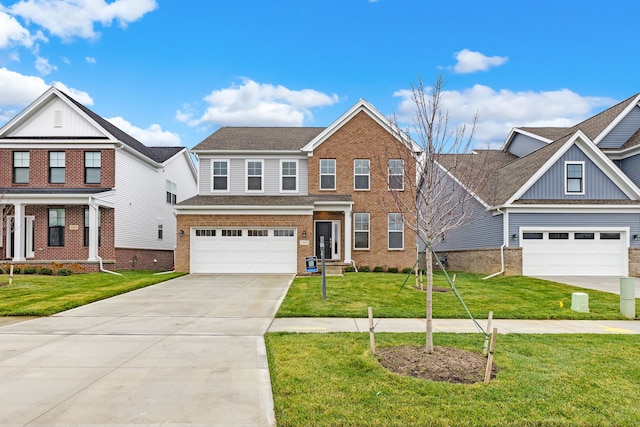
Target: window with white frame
289, 175
220, 175
396, 174
361, 229
20, 167
396, 231
172, 192
56, 227
56, 167
361, 174
160, 229
574, 177
92, 167
327, 174
254, 175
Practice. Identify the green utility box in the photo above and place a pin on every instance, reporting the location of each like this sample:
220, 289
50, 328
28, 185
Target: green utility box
628, 297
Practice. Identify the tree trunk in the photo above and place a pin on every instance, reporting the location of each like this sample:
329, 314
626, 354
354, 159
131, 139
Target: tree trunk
429, 261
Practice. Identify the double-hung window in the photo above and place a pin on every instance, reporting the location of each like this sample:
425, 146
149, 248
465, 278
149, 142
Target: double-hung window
289, 175
92, 167
254, 175
396, 174
574, 177
56, 167
56, 227
361, 229
327, 174
220, 175
361, 174
20, 167
396, 231
172, 192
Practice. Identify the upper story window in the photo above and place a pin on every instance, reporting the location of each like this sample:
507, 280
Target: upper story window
92, 167
396, 231
574, 177
254, 175
396, 174
220, 175
361, 174
56, 227
21, 167
361, 231
289, 175
327, 174
56, 167
172, 192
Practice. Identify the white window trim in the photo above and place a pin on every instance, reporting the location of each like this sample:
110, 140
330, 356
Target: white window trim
335, 173
213, 190
566, 179
289, 176
389, 231
246, 175
172, 188
160, 229
368, 175
362, 231
389, 176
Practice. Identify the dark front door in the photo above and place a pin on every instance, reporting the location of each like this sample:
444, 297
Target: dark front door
323, 228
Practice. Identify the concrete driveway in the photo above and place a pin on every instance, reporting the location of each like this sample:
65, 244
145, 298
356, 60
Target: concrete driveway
609, 284
186, 352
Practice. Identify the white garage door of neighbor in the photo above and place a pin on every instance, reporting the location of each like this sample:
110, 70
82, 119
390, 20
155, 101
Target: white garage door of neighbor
243, 250
574, 253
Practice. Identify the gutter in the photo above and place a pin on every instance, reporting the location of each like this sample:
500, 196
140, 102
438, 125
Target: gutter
93, 205
505, 237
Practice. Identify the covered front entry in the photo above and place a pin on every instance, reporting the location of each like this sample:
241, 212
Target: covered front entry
575, 252
329, 233
243, 250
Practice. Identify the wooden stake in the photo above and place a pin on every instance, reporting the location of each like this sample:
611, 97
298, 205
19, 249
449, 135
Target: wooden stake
485, 349
372, 336
487, 374
416, 271
421, 282
11, 275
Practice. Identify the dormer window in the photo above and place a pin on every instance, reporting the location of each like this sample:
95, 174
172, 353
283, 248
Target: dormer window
574, 177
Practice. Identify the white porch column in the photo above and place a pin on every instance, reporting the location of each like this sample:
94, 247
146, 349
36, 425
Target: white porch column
93, 233
347, 235
18, 232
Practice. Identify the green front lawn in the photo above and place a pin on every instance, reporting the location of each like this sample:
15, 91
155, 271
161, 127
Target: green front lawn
543, 380
33, 295
515, 297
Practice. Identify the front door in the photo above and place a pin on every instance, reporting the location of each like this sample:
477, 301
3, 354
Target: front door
27, 237
330, 230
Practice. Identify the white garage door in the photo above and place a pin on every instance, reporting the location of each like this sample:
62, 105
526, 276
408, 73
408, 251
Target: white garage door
574, 253
243, 250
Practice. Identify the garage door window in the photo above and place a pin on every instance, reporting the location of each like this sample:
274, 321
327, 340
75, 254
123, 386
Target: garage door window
558, 236
231, 233
532, 236
609, 236
584, 236
283, 233
205, 233
258, 233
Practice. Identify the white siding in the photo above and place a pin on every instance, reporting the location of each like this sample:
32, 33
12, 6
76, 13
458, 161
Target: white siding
42, 123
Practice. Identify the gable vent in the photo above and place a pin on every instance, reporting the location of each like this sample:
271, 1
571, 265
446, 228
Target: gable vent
57, 118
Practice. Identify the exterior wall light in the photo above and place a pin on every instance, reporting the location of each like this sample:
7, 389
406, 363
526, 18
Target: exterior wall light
181, 233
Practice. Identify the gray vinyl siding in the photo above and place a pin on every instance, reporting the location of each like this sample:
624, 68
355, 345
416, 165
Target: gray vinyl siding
631, 167
574, 220
623, 130
481, 232
521, 145
552, 184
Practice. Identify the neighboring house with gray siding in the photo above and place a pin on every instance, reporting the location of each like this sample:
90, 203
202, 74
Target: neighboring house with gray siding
566, 201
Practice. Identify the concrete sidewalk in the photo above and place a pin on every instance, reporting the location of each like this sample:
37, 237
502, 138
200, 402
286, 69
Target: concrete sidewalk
325, 324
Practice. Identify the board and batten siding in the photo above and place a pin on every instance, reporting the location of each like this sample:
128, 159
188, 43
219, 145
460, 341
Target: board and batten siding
552, 184
622, 131
631, 167
69, 123
521, 145
238, 175
140, 203
574, 221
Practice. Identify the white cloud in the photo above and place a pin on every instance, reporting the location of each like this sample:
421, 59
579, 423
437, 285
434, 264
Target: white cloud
152, 136
43, 66
90, 60
500, 111
20, 90
13, 33
470, 61
76, 18
258, 104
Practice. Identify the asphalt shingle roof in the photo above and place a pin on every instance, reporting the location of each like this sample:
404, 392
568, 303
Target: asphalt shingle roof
259, 138
215, 200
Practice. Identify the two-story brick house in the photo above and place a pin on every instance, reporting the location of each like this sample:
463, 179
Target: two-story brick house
76, 190
266, 196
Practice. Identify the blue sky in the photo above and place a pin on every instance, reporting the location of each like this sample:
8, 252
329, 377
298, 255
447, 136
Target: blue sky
172, 72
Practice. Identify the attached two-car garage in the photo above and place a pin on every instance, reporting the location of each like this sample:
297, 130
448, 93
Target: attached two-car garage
243, 250
574, 252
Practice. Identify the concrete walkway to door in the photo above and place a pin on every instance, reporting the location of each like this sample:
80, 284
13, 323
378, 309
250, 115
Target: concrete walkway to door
186, 352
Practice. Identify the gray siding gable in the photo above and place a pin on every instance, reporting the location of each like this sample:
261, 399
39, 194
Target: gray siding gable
521, 145
631, 167
598, 186
623, 130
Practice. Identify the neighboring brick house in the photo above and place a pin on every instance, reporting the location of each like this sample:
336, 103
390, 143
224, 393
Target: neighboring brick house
75, 190
266, 195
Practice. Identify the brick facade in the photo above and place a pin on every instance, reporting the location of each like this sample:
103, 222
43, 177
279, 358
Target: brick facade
486, 261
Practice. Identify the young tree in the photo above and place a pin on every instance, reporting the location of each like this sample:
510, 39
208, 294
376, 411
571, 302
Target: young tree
441, 202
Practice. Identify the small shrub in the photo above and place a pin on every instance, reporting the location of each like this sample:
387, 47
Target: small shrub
392, 270
64, 272
378, 269
365, 269
349, 269
45, 271
16, 269
407, 270
29, 270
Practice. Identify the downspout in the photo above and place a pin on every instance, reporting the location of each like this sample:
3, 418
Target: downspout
174, 252
505, 237
93, 205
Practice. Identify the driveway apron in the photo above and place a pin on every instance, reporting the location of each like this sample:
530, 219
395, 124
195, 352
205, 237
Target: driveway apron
186, 352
